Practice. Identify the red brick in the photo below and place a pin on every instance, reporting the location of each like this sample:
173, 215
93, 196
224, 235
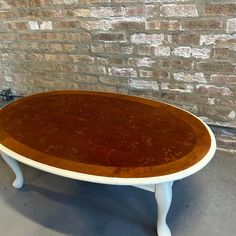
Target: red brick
223, 79
34, 57
80, 37
7, 36
216, 67
31, 3
183, 64
83, 78
29, 13
128, 24
52, 36
208, 25
140, 10
30, 36
220, 9
110, 36
213, 90
94, 1
6, 15
52, 13
17, 25
65, 46
221, 53
126, 49
144, 50
171, 25
186, 39
64, 24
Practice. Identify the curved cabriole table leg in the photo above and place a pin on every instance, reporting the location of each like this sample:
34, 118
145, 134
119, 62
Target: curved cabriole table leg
19, 181
163, 194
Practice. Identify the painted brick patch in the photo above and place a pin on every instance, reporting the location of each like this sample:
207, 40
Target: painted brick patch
143, 84
179, 10
153, 39
231, 25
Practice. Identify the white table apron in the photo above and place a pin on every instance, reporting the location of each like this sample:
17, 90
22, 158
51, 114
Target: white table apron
163, 184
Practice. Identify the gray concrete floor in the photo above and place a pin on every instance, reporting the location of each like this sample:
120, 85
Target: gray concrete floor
49, 205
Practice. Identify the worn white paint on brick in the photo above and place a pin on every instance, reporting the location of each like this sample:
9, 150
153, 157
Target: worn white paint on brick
145, 62
180, 10
202, 53
162, 51
186, 52
46, 25
169, 39
187, 77
117, 20
8, 78
187, 89
231, 25
69, 2
143, 84
33, 25
211, 101
122, 72
209, 39
184, 88
151, 39
105, 12
165, 86
96, 25
182, 52
232, 115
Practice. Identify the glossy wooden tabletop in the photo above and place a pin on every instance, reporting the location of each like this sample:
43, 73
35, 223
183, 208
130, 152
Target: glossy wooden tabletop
103, 134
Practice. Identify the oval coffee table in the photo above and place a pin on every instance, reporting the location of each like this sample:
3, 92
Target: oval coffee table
106, 138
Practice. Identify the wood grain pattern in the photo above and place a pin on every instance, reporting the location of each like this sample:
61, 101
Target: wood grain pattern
103, 134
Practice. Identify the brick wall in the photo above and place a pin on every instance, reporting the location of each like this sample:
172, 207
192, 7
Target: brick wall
179, 51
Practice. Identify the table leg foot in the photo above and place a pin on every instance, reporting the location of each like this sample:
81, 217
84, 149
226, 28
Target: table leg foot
19, 181
163, 194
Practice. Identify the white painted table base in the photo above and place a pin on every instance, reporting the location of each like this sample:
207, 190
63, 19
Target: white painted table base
163, 194
19, 181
